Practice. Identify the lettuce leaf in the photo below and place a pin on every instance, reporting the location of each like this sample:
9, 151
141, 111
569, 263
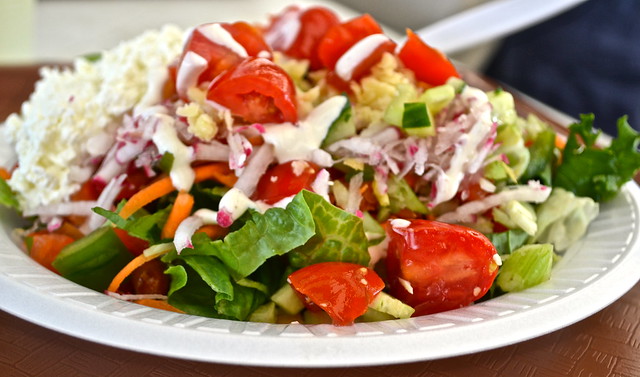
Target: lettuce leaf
7, 197
542, 159
507, 242
276, 232
141, 225
339, 236
589, 171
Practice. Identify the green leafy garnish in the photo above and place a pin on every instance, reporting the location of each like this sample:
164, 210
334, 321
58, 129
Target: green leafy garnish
507, 242
7, 197
589, 171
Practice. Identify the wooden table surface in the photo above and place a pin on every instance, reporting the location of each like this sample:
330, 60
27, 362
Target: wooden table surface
604, 344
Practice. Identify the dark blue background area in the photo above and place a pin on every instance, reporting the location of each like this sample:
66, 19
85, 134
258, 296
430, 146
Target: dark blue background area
586, 60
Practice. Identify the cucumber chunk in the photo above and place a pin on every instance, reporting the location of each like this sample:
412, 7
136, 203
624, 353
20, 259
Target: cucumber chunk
342, 128
390, 305
94, 260
288, 300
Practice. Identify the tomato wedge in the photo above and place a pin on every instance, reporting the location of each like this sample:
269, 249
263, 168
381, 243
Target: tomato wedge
256, 90
313, 22
341, 37
45, 247
284, 180
429, 64
342, 290
434, 266
215, 47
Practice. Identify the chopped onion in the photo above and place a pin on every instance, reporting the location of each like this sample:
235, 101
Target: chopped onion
533, 192
256, 167
212, 151
105, 200
320, 184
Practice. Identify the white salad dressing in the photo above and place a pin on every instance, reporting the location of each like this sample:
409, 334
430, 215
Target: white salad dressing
467, 147
156, 79
234, 203
218, 35
285, 31
299, 142
190, 70
354, 56
166, 140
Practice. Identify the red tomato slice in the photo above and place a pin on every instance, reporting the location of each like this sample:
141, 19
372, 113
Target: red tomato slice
45, 247
343, 290
314, 23
429, 65
434, 266
341, 37
220, 57
135, 245
284, 180
256, 90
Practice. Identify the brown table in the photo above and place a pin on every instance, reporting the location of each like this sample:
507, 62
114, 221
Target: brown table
605, 344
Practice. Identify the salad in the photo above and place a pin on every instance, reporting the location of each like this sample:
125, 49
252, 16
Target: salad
309, 169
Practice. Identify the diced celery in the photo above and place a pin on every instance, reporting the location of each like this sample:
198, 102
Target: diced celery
526, 267
266, 313
288, 300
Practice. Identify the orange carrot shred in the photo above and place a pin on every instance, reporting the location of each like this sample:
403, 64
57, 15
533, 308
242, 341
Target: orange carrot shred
128, 269
560, 142
158, 304
213, 231
181, 210
4, 173
146, 195
217, 171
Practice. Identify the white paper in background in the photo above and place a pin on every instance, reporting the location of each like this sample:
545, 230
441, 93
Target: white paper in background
66, 29
16, 31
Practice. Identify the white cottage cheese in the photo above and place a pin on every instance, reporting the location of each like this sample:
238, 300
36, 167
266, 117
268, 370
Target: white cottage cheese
70, 107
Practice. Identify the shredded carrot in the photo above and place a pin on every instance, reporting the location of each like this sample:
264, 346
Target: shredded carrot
68, 229
181, 210
146, 195
560, 142
158, 304
128, 269
213, 231
4, 173
218, 171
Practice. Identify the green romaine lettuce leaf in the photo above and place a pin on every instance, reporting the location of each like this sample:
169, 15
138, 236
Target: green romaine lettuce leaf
543, 158
276, 232
507, 242
589, 171
141, 225
563, 218
339, 236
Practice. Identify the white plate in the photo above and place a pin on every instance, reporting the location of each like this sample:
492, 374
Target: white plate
592, 274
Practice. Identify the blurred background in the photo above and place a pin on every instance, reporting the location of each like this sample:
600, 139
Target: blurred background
584, 60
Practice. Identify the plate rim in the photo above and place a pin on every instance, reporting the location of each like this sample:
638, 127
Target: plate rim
243, 343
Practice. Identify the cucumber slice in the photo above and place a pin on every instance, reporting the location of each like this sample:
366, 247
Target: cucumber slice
343, 127
372, 315
526, 267
288, 300
438, 97
390, 305
417, 120
266, 313
393, 113
94, 260
316, 317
